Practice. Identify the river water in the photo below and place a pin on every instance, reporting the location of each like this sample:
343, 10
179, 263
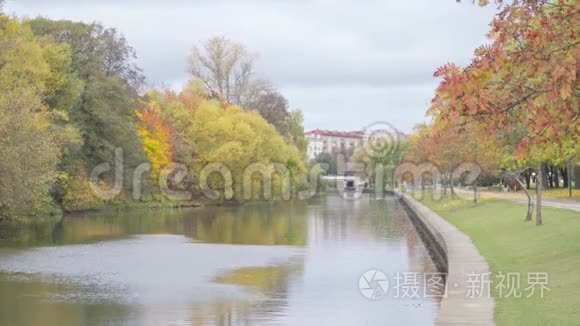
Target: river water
285, 263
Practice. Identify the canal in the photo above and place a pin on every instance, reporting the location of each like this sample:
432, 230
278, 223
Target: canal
284, 263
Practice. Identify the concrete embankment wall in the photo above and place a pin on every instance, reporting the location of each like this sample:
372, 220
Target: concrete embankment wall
455, 254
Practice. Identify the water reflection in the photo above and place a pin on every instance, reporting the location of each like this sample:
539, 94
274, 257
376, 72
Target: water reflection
290, 263
280, 223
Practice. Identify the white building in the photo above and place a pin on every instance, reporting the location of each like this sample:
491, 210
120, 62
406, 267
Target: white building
325, 141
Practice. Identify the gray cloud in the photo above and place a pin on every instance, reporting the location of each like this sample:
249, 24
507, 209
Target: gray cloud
340, 61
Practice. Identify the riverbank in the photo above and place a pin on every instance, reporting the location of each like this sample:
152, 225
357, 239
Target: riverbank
119, 205
511, 245
57, 212
134, 205
461, 258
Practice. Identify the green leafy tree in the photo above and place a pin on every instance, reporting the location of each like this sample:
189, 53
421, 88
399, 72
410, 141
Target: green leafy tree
30, 72
107, 93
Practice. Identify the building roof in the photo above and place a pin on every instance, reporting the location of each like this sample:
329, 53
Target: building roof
335, 133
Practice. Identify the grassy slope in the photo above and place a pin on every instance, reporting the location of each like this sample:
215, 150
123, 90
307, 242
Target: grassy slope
511, 245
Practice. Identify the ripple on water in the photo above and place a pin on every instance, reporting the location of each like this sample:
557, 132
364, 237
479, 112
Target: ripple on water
148, 269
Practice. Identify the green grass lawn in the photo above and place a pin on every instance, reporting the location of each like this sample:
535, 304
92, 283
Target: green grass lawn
509, 244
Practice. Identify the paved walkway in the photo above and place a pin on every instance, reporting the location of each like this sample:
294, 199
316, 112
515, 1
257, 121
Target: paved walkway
463, 261
520, 198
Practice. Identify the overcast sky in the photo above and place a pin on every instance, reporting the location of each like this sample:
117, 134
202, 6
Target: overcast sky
345, 63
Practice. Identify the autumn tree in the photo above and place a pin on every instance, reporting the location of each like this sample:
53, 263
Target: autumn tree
451, 147
205, 131
156, 137
525, 80
176, 110
238, 139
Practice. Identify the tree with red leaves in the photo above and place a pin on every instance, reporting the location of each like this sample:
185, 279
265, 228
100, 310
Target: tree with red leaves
524, 83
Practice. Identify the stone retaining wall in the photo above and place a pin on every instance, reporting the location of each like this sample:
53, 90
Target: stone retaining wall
454, 253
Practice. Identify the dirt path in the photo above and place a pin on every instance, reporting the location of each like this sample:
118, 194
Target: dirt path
521, 198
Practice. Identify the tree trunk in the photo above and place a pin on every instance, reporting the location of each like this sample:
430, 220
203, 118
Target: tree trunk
569, 177
528, 176
451, 186
539, 195
577, 177
564, 173
530, 206
475, 192
550, 172
543, 177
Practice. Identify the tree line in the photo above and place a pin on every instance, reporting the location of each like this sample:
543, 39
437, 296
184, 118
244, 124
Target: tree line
71, 93
513, 109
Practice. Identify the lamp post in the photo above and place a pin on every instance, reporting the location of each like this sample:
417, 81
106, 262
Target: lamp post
569, 169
